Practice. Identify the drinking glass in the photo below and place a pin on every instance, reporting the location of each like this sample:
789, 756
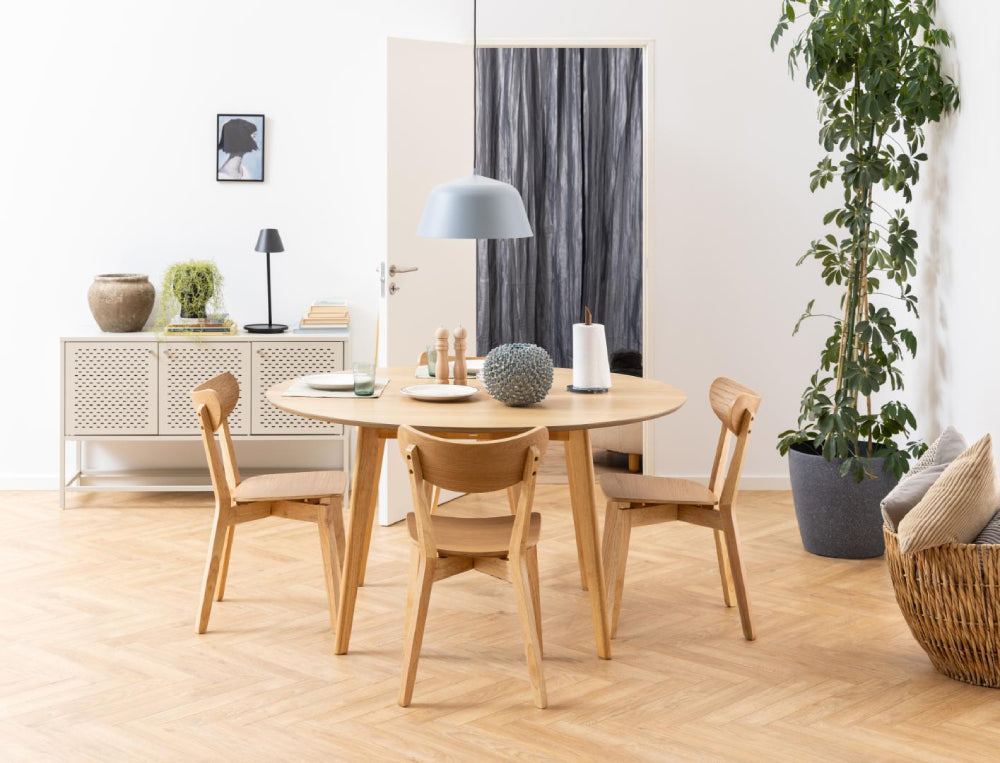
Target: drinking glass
432, 356
364, 379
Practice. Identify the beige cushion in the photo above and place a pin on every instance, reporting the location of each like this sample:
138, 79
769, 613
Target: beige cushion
958, 506
915, 484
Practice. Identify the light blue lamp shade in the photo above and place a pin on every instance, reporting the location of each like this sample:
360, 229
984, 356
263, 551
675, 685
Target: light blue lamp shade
474, 207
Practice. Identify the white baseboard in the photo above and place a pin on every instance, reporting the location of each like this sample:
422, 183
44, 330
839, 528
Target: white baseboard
29, 482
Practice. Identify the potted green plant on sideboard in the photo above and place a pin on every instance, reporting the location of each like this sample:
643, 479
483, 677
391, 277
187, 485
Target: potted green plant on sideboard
189, 289
876, 71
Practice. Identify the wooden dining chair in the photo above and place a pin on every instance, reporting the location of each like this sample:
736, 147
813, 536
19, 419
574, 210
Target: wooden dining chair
636, 500
504, 546
310, 496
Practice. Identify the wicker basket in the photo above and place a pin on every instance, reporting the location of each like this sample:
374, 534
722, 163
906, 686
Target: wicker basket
950, 598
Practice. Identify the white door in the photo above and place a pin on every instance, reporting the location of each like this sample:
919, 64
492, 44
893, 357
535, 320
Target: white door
429, 141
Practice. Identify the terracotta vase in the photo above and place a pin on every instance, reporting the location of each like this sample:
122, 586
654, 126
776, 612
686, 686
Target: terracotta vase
121, 302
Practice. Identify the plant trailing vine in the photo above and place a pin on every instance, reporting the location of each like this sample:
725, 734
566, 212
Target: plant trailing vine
191, 289
876, 69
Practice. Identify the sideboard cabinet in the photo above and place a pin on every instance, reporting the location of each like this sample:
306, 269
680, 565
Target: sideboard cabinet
136, 387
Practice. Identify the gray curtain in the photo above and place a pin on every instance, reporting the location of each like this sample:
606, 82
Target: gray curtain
564, 126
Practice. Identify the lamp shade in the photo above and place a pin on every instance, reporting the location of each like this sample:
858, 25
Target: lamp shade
474, 207
269, 241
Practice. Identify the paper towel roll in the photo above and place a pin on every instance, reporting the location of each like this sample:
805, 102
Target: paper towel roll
590, 357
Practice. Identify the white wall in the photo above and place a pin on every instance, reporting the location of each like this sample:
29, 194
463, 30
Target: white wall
955, 216
107, 130
108, 123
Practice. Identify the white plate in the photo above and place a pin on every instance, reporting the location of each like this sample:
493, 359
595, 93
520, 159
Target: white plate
439, 393
330, 381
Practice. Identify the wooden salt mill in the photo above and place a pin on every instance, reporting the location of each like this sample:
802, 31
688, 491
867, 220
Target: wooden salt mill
441, 367
461, 377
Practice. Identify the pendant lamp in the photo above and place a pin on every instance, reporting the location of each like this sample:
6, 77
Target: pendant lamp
474, 206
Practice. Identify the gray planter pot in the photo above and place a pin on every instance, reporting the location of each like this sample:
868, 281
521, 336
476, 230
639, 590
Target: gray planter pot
837, 516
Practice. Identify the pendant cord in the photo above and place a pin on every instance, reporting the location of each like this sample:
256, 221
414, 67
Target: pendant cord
475, 82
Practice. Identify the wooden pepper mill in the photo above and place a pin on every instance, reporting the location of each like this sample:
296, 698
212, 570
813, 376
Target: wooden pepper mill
461, 376
441, 367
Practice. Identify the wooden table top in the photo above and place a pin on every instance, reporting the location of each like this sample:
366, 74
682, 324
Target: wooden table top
630, 399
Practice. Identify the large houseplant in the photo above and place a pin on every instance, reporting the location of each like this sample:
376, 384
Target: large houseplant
876, 70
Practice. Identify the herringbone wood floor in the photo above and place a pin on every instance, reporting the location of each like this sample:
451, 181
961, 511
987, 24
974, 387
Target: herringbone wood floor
99, 659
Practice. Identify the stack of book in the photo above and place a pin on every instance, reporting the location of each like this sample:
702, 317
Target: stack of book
324, 316
212, 324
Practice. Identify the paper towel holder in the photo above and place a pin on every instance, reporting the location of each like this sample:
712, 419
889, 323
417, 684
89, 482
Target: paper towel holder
588, 320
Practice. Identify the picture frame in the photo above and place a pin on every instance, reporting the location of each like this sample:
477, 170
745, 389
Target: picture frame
239, 148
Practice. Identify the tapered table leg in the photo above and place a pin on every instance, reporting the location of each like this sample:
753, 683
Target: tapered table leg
364, 494
580, 468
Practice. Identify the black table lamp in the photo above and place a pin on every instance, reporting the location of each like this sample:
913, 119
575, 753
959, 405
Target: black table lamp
268, 241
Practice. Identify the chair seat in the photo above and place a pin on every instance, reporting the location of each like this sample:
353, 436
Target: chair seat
638, 488
291, 486
474, 536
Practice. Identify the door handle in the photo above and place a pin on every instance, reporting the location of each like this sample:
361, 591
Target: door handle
394, 270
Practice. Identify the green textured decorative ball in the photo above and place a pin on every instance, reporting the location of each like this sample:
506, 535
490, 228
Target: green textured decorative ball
518, 374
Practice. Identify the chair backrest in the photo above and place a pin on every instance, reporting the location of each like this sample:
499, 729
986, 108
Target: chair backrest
736, 406
472, 467
213, 401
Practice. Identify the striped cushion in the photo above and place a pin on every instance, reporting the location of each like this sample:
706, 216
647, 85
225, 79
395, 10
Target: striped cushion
991, 533
957, 506
916, 482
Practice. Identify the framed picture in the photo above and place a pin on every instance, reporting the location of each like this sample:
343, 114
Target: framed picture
239, 142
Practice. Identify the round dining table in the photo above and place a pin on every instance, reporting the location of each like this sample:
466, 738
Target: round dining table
568, 416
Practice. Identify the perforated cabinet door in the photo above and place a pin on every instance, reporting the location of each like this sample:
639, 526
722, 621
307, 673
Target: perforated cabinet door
275, 362
110, 388
185, 365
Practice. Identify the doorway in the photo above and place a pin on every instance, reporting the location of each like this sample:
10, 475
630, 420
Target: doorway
430, 134
566, 126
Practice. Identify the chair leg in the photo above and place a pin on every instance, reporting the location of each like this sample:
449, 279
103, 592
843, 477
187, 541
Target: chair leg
417, 598
728, 595
739, 572
220, 588
434, 498
617, 534
340, 536
332, 554
531, 558
520, 576
213, 563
